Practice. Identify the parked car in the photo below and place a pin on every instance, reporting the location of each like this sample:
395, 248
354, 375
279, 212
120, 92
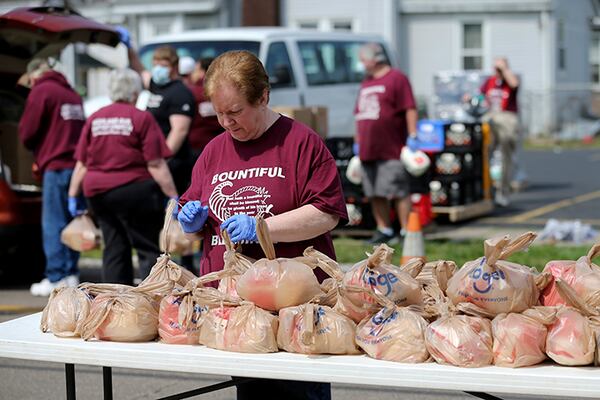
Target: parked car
26, 33
306, 67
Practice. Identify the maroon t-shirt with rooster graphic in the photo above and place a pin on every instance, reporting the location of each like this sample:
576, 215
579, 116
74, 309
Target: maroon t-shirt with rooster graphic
287, 167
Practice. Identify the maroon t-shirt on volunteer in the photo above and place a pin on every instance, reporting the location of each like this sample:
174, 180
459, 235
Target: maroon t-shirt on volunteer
286, 168
380, 115
52, 122
116, 144
205, 125
499, 95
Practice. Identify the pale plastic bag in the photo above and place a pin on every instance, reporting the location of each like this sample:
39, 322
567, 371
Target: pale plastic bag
275, 283
235, 261
315, 329
124, 314
520, 339
460, 340
175, 239
394, 333
180, 314
378, 274
236, 325
572, 337
582, 275
81, 234
437, 273
496, 285
66, 310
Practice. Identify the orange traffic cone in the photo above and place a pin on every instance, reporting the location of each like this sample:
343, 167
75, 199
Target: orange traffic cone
414, 245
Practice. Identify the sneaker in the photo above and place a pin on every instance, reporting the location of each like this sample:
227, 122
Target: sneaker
71, 280
45, 287
380, 237
501, 200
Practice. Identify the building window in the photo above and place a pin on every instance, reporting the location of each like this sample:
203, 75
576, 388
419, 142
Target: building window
560, 41
595, 58
308, 25
472, 46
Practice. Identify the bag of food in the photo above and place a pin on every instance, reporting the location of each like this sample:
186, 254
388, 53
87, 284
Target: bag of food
460, 340
66, 310
494, 284
520, 339
378, 274
571, 338
81, 234
315, 329
180, 315
436, 273
174, 239
236, 325
582, 275
275, 283
235, 261
394, 333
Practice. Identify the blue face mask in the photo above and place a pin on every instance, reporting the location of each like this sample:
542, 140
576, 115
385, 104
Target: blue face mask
160, 74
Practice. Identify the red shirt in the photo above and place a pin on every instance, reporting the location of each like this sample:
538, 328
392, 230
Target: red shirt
286, 168
116, 144
499, 95
205, 125
52, 122
380, 115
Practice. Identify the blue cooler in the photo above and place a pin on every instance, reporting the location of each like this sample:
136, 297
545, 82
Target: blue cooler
431, 135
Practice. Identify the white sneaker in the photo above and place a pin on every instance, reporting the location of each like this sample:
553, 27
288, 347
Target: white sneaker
45, 287
71, 280
501, 200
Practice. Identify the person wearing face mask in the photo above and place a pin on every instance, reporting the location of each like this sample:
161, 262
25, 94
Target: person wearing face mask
268, 165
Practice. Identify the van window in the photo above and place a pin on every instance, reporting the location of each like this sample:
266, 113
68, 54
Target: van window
331, 62
198, 50
279, 67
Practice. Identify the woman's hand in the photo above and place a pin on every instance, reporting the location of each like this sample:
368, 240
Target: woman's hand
240, 228
192, 216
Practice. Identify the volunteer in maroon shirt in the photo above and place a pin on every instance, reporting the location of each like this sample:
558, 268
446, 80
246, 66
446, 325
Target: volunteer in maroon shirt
500, 91
121, 166
205, 125
386, 121
50, 127
264, 164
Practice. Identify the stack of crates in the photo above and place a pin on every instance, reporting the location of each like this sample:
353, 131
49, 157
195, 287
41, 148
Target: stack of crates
457, 164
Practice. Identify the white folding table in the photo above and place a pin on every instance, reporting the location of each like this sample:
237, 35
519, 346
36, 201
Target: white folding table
22, 339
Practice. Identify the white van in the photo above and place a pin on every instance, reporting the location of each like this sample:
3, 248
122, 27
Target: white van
306, 67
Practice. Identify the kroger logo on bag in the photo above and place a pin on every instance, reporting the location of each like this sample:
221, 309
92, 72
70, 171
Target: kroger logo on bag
375, 280
484, 281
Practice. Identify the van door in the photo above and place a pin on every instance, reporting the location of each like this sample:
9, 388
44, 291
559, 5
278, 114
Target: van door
333, 74
284, 88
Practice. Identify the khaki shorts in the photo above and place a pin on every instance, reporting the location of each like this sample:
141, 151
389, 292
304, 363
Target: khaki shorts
385, 178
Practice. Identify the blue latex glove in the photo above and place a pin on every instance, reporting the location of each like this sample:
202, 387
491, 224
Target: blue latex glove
355, 149
192, 216
412, 143
240, 227
76, 206
124, 35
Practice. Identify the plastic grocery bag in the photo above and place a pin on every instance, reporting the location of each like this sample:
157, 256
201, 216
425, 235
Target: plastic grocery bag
378, 274
460, 340
275, 283
123, 313
235, 261
236, 325
81, 234
437, 273
520, 339
66, 310
496, 285
572, 337
176, 241
394, 333
582, 275
315, 329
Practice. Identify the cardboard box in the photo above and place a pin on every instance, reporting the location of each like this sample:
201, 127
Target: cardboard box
15, 155
315, 117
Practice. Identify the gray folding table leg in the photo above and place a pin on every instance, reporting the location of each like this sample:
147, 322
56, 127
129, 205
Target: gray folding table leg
484, 396
107, 383
70, 380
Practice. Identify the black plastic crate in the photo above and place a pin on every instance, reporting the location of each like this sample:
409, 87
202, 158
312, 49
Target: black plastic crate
463, 137
455, 192
457, 165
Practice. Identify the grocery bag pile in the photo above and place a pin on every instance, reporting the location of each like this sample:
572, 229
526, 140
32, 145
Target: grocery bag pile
489, 312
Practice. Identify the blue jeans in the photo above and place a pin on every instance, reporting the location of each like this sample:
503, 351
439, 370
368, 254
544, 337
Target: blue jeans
60, 260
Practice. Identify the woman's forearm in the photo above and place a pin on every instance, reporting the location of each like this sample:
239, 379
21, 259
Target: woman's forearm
76, 179
159, 171
302, 223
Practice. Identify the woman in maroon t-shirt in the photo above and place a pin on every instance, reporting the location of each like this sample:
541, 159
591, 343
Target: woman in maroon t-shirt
121, 166
268, 165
